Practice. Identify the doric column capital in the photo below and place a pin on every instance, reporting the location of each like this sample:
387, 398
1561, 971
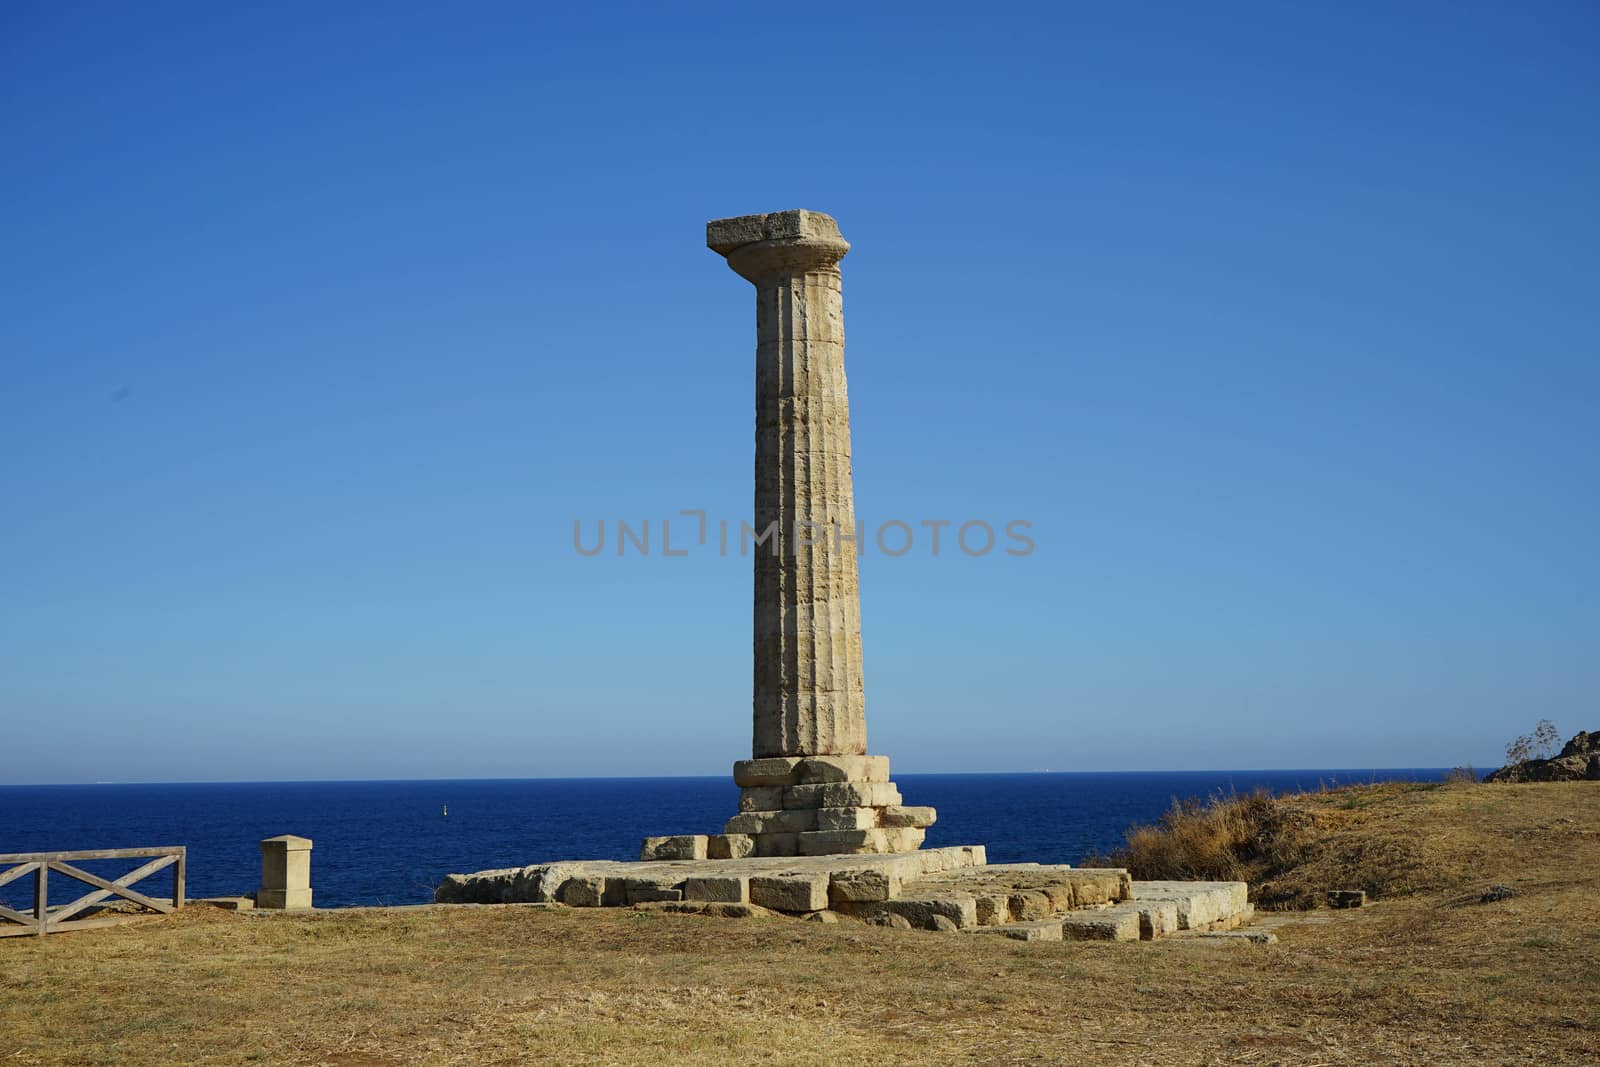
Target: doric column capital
778, 244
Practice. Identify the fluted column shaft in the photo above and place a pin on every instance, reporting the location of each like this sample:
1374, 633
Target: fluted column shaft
808, 697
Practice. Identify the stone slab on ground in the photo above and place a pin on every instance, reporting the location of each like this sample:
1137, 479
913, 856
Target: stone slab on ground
1119, 922
1038, 930
1251, 937
228, 903
1201, 905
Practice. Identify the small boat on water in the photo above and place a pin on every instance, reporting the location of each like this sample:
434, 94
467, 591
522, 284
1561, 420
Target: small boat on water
447, 811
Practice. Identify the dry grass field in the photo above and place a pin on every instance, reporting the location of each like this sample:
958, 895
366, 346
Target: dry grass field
1429, 975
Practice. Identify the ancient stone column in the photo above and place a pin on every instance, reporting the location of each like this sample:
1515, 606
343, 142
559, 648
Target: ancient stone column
808, 697
809, 788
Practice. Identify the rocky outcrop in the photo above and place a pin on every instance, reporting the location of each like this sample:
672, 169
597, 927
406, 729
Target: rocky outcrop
1578, 761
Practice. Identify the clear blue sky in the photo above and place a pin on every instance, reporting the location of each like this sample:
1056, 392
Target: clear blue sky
322, 323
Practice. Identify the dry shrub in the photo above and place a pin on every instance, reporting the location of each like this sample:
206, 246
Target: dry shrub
1231, 837
1293, 849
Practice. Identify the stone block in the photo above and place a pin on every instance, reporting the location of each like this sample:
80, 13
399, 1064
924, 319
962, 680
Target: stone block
761, 798
729, 846
726, 235
726, 888
818, 769
543, 884
777, 844
644, 888
1102, 924
1250, 937
842, 795
1099, 885
1036, 930
772, 770
283, 899
1029, 905
586, 892
1157, 918
841, 842
799, 891
790, 821
909, 839
993, 909
675, 847
959, 908
1062, 897
1201, 905
831, 918
846, 818
920, 817
866, 884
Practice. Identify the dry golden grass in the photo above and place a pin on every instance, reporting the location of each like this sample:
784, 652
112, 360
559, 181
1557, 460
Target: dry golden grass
1433, 977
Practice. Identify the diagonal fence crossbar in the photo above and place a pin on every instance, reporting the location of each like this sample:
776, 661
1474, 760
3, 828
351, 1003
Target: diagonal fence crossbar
47, 920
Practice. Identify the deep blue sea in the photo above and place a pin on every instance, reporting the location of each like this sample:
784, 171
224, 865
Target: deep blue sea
390, 843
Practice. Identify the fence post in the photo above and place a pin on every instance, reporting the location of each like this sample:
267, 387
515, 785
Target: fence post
41, 896
177, 877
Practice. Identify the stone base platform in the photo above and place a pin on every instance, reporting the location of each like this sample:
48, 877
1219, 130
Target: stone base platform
934, 889
806, 806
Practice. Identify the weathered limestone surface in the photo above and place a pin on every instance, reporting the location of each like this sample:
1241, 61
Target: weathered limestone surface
729, 846
1250, 937
727, 888
793, 891
1157, 918
1201, 905
1039, 930
1102, 924
779, 770
676, 847
808, 697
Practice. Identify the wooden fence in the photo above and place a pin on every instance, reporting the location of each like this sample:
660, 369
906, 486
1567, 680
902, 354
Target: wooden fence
48, 920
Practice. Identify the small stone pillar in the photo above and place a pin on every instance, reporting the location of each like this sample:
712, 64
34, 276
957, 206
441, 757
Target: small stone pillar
285, 872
